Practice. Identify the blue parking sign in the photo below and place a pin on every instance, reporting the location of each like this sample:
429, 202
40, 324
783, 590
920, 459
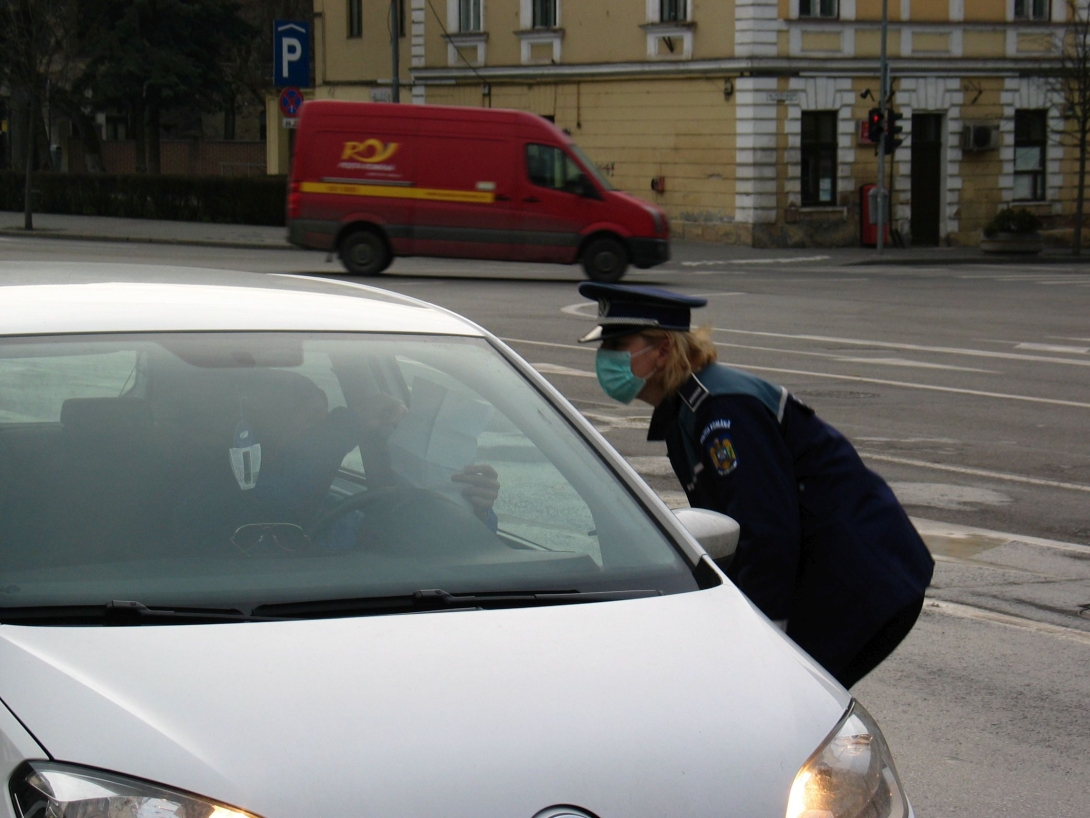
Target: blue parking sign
291, 53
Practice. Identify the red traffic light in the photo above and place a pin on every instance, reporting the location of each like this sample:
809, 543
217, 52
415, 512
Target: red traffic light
875, 125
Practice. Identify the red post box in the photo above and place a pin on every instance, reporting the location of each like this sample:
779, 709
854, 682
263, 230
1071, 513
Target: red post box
868, 217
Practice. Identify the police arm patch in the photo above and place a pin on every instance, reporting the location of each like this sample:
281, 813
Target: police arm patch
721, 452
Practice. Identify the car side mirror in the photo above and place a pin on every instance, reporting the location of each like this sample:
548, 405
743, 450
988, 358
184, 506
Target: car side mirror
716, 532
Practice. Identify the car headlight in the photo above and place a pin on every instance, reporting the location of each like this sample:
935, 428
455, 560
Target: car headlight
851, 775
657, 221
46, 790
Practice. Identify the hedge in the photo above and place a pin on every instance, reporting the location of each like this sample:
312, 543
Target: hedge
228, 199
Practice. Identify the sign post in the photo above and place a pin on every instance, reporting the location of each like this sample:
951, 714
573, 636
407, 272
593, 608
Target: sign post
883, 64
291, 54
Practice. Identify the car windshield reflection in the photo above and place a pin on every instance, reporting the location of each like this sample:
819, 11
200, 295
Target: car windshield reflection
228, 470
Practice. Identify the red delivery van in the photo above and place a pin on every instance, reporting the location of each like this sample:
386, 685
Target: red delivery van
376, 180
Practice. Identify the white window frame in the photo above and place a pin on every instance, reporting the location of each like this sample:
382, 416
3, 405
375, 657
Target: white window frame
462, 4
526, 16
679, 31
1044, 17
686, 11
1042, 171
819, 16
458, 39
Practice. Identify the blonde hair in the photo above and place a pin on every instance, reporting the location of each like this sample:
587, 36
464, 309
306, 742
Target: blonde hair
688, 352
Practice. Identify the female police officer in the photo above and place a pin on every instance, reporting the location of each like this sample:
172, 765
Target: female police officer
826, 551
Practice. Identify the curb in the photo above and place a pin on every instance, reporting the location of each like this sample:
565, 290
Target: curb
1005, 261
871, 261
241, 245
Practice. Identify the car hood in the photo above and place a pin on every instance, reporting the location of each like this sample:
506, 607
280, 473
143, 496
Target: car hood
689, 704
635, 200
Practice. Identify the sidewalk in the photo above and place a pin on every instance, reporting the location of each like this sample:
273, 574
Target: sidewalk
148, 231
688, 255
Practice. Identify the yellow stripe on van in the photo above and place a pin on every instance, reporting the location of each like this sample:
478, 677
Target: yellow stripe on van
399, 192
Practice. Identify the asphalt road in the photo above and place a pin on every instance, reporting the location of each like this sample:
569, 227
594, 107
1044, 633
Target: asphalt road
966, 386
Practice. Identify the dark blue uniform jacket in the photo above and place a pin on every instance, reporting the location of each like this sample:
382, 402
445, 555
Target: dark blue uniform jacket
824, 543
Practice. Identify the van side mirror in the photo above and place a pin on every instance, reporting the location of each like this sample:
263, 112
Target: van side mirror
716, 532
585, 188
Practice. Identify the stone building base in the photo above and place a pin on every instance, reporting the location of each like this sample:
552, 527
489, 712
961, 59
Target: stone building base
831, 227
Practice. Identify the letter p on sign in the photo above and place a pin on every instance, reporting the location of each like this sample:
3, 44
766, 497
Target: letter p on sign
290, 51
291, 54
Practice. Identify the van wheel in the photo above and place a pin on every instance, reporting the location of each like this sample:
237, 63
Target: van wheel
605, 259
364, 253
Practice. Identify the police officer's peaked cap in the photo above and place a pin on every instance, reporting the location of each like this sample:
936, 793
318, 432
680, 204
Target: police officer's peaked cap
624, 309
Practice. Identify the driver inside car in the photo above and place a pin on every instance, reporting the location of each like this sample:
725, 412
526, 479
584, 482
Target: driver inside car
288, 448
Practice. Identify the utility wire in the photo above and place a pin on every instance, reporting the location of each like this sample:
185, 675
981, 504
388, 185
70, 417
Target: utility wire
457, 51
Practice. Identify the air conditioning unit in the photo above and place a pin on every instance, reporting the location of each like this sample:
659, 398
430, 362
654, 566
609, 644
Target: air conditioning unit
979, 137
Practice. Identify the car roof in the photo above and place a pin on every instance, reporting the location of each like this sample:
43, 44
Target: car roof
63, 298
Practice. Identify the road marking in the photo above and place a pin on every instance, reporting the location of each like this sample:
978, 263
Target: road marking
716, 262
1053, 348
993, 475
589, 309
1036, 274
835, 357
984, 615
946, 496
924, 386
652, 466
980, 353
882, 381
916, 364
614, 422
977, 540
581, 348
581, 308
556, 369
816, 280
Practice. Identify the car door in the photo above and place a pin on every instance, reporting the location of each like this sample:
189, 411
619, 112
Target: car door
558, 202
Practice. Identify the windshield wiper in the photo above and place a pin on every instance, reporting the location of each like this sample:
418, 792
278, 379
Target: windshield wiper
121, 612
435, 599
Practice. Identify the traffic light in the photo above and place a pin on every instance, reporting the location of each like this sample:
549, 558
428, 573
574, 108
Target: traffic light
875, 125
893, 140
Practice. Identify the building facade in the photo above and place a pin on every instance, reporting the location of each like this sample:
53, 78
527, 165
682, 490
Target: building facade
744, 119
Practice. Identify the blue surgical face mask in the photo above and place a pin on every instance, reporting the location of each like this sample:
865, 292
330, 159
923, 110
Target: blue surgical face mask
615, 376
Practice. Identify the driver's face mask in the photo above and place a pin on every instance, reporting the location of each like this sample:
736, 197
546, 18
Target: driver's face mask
245, 457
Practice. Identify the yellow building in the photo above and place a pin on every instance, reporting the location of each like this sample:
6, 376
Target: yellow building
742, 118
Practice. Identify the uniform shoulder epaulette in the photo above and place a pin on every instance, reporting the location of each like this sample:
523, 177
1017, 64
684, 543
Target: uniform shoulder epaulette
693, 393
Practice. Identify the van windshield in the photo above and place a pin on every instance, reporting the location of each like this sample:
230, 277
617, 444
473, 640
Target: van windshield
234, 470
592, 168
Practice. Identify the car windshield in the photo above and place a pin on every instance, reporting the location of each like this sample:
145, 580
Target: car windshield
591, 167
233, 470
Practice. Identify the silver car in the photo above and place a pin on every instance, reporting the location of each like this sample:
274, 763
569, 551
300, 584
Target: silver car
286, 547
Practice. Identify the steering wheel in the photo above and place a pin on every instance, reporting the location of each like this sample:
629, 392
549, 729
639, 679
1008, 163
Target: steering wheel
416, 522
361, 500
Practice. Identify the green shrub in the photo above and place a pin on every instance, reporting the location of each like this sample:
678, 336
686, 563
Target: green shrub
225, 199
1013, 220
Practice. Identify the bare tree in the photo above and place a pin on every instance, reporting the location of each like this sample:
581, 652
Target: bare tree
34, 34
1068, 83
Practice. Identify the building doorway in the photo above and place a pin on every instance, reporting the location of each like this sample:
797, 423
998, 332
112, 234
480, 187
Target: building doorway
926, 179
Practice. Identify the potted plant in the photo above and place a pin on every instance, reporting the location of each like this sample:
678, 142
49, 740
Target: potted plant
1013, 230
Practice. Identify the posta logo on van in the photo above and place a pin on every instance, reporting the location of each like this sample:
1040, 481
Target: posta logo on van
370, 151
